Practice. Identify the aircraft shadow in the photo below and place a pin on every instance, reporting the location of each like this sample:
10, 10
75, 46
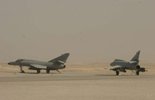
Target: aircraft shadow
111, 75
38, 73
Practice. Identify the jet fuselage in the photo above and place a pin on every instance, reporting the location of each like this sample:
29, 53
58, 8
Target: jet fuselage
125, 64
26, 62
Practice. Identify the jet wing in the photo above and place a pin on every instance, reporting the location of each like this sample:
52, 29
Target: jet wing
132, 62
118, 60
60, 61
114, 67
38, 66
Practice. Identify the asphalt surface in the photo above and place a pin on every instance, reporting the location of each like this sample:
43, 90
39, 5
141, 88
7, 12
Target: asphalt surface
25, 77
76, 84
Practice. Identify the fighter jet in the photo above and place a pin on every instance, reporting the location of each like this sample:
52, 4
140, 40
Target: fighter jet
55, 64
119, 65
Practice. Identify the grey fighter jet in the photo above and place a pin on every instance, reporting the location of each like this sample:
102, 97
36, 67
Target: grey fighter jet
55, 64
119, 65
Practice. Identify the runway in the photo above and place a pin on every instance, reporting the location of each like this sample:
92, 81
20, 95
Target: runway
25, 77
87, 83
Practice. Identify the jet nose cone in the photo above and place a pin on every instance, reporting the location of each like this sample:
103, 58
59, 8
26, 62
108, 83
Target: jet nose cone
9, 63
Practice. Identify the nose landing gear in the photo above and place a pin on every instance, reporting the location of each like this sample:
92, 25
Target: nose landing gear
21, 69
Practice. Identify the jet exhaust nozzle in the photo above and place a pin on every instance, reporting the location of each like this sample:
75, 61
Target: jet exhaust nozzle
138, 67
141, 69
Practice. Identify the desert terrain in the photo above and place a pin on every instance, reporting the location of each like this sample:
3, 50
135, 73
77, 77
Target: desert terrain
76, 82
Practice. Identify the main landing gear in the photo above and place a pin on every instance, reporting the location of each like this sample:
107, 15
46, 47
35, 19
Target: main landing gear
38, 71
137, 72
47, 71
117, 72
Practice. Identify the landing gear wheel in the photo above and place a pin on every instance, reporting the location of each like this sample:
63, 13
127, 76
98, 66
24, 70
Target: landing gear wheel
38, 71
22, 71
137, 72
47, 71
117, 72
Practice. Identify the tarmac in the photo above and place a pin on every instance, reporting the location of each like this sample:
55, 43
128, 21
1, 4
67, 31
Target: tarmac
76, 83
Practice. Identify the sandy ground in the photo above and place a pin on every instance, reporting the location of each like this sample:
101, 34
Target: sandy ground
77, 82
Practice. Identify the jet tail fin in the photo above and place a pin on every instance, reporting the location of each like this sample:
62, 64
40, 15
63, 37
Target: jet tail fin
61, 59
136, 57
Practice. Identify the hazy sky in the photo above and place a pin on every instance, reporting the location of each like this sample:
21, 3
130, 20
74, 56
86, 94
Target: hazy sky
90, 30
